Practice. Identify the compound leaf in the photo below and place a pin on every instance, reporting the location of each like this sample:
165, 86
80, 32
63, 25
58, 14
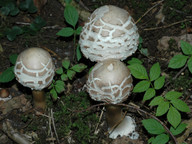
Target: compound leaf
174, 117
153, 126
180, 105
141, 86
138, 71
178, 61
186, 47
149, 94
154, 72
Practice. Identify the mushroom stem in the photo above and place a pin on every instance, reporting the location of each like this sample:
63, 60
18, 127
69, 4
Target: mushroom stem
39, 99
113, 115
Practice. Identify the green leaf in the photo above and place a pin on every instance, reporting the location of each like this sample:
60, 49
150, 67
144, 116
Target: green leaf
64, 77
5, 11
150, 140
177, 61
161, 139
28, 6
189, 64
65, 32
153, 126
71, 15
8, 75
37, 24
162, 108
158, 84
174, 117
138, 71
78, 67
156, 101
180, 105
179, 129
186, 47
66, 63
78, 52
149, 94
171, 95
141, 86
12, 33
14, 11
78, 30
59, 86
71, 74
59, 71
53, 94
155, 72
68, 1
134, 61
13, 58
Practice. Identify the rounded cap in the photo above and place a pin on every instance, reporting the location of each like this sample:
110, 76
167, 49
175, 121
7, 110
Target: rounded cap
34, 68
109, 81
109, 33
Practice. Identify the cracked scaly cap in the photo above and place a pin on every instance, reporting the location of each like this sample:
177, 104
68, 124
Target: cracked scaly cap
109, 33
34, 68
109, 81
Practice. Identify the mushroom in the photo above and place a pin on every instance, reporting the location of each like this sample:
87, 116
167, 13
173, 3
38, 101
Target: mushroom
110, 81
34, 68
5, 94
109, 33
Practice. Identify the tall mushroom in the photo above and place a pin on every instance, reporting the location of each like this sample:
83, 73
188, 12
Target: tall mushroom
110, 81
109, 33
34, 68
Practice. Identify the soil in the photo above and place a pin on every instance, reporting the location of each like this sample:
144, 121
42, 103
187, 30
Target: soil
27, 121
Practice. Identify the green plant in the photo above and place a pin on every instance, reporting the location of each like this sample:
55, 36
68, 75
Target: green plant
9, 7
181, 60
71, 16
32, 29
8, 75
143, 51
168, 103
66, 73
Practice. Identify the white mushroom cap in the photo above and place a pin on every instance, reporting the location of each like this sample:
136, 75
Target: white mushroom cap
34, 68
125, 128
109, 33
109, 81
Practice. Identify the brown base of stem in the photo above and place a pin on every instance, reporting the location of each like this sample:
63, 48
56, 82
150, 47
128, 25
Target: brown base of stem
113, 115
39, 100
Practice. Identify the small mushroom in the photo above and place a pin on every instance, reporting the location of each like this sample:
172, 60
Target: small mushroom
109, 33
5, 94
110, 81
34, 68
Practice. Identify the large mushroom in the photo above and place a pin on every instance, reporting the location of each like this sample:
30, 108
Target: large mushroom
34, 68
110, 81
109, 33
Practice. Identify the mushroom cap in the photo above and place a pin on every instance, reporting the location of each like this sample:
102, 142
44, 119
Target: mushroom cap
109, 81
109, 33
34, 68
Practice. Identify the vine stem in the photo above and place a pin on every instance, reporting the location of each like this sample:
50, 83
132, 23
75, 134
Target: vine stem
138, 109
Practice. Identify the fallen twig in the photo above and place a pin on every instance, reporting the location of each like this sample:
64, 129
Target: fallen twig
14, 134
149, 11
54, 128
166, 26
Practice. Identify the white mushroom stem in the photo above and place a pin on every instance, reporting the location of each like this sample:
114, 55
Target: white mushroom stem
39, 99
118, 124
